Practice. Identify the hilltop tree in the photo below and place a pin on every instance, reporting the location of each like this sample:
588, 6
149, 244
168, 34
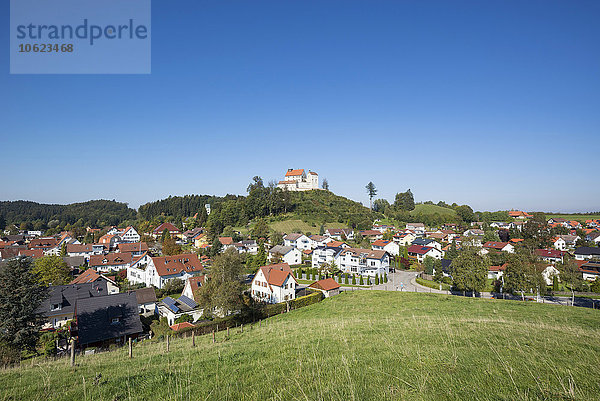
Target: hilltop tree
380, 205
325, 184
222, 292
371, 191
51, 270
404, 201
469, 271
21, 295
466, 213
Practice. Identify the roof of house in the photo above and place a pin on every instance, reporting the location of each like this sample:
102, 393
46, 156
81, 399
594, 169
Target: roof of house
495, 244
381, 242
145, 295
67, 295
294, 173
497, 268
588, 251
77, 248
370, 233
89, 276
418, 249
181, 326
334, 244
110, 259
423, 241
327, 284
196, 282
549, 253
226, 240
318, 238
367, 253
96, 317
32, 253
277, 274
293, 236
133, 247
176, 264
168, 226
43, 243
282, 250
415, 225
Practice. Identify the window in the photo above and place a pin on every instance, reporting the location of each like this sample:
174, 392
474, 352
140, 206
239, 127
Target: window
55, 307
115, 320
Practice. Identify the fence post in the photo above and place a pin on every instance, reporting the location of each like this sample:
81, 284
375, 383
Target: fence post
73, 352
193, 338
242, 327
130, 348
259, 323
227, 331
168, 343
213, 336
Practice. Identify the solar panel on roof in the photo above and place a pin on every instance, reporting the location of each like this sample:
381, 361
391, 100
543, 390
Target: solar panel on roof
189, 302
170, 302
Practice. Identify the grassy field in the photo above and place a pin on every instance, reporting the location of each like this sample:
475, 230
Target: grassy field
362, 345
577, 217
432, 209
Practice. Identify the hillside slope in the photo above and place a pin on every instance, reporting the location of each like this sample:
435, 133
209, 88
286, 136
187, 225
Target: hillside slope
363, 345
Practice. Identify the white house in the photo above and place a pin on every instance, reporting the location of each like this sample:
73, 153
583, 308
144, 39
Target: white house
274, 283
159, 270
288, 254
549, 272
417, 228
384, 245
172, 308
427, 242
586, 252
365, 262
498, 246
495, 272
85, 250
246, 246
111, 262
319, 240
129, 234
340, 233
298, 180
324, 255
192, 284
404, 239
564, 242
296, 240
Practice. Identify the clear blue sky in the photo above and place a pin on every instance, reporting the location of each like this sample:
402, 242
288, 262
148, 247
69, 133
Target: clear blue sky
491, 103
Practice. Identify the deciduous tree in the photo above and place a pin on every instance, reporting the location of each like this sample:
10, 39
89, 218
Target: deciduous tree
51, 270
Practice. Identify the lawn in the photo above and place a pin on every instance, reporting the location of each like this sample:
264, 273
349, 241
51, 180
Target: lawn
361, 345
577, 217
432, 209
292, 225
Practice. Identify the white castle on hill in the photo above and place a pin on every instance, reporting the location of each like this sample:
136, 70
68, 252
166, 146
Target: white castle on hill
297, 180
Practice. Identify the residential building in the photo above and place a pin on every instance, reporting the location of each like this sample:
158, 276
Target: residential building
92, 276
159, 270
324, 255
340, 234
134, 248
550, 255
384, 245
404, 239
427, 242
112, 318
497, 246
417, 228
274, 283
174, 232
366, 262
587, 253
110, 262
372, 235
192, 284
288, 254
173, 309
419, 252
329, 287
297, 240
146, 300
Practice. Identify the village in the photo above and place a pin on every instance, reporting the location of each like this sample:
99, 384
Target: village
131, 279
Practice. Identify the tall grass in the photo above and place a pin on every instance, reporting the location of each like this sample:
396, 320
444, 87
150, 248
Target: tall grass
362, 345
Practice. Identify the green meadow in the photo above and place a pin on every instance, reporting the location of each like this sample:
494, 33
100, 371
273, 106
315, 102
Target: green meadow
362, 345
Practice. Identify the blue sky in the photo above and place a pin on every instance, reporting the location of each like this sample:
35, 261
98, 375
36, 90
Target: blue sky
495, 104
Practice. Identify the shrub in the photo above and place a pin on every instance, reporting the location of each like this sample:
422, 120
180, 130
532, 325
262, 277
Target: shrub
377, 279
353, 280
184, 318
361, 281
346, 278
385, 278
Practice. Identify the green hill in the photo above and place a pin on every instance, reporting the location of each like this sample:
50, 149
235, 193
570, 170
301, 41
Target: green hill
429, 210
363, 345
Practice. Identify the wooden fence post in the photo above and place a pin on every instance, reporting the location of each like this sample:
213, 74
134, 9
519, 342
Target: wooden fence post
242, 327
213, 336
73, 352
168, 343
130, 348
193, 338
227, 331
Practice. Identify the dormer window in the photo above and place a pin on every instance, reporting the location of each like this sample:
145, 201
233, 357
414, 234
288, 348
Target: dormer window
115, 320
55, 307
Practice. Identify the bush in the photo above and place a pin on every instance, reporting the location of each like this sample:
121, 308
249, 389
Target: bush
184, 318
8, 355
48, 343
385, 279
377, 279
353, 280
346, 278
361, 281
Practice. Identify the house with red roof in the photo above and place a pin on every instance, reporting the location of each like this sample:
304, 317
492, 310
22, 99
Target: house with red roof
518, 214
173, 231
192, 284
495, 272
274, 283
181, 326
329, 287
497, 246
385, 245
159, 270
92, 276
550, 255
419, 252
